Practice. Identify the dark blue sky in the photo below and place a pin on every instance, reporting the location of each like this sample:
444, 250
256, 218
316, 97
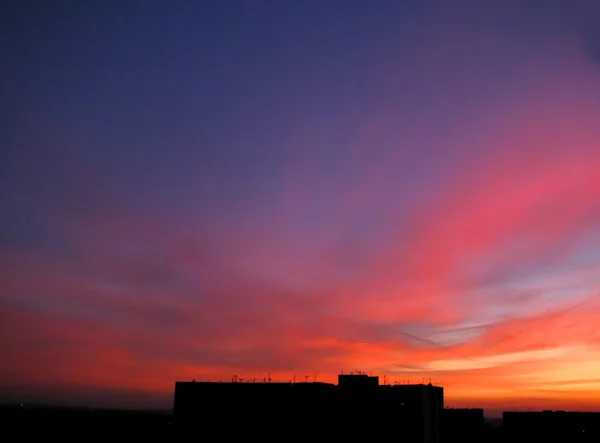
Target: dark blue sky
167, 98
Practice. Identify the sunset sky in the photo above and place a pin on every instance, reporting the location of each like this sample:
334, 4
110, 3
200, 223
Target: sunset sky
192, 190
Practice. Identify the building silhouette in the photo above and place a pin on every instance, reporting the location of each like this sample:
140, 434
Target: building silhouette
465, 425
551, 425
357, 406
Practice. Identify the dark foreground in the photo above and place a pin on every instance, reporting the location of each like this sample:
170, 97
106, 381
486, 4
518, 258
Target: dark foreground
75, 424
82, 423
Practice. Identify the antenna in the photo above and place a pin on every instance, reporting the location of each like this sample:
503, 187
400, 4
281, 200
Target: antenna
269, 377
306, 379
294, 377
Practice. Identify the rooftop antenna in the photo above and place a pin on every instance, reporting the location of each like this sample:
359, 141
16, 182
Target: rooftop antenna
306, 379
294, 377
269, 377
316, 373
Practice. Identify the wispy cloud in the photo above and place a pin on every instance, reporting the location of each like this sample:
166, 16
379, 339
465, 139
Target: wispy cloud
450, 233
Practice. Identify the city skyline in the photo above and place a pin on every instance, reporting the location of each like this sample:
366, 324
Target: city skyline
195, 190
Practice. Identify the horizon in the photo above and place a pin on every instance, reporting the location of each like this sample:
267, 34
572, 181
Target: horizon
130, 401
195, 190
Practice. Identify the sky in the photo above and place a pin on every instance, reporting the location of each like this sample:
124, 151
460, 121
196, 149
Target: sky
193, 190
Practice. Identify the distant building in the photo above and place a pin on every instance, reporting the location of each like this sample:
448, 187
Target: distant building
357, 406
462, 425
552, 425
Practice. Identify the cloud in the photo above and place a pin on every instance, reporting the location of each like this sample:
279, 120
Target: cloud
456, 240
497, 360
149, 302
